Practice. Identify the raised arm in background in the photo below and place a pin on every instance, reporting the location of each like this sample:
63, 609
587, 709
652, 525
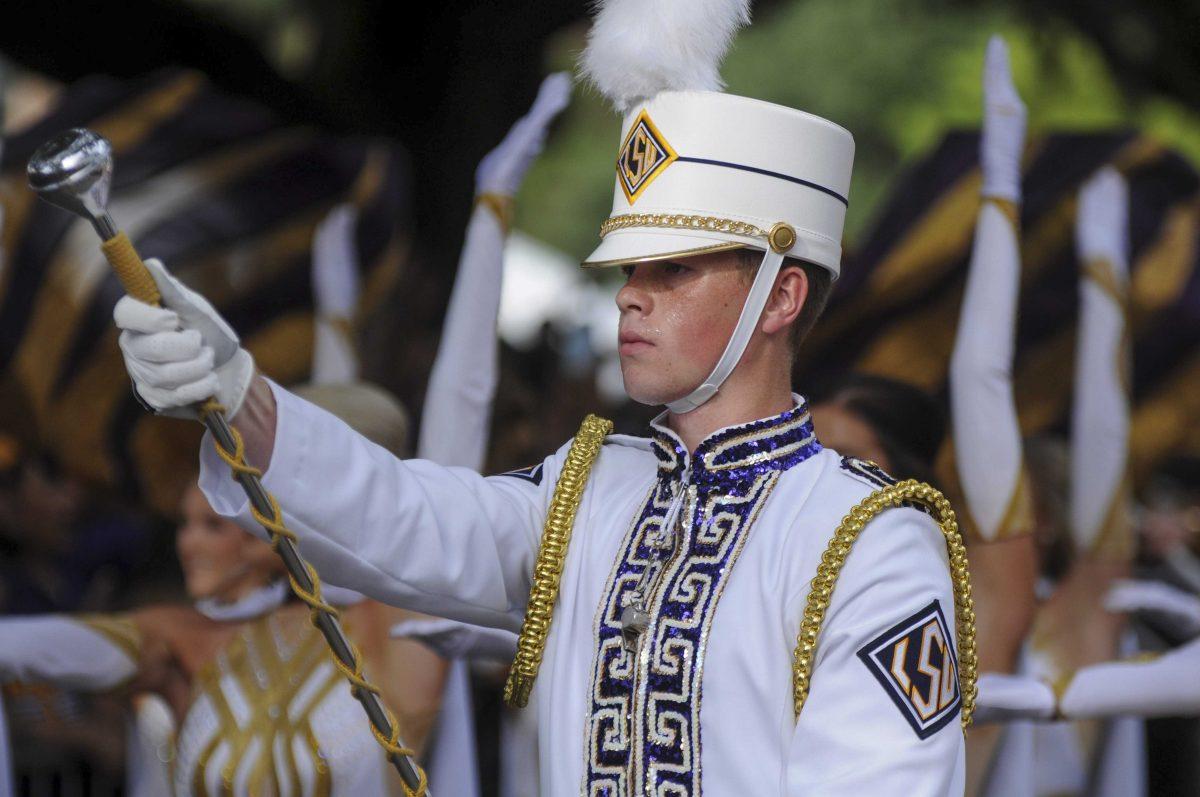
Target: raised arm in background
987, 436
1100, 523
456, 418
335, 297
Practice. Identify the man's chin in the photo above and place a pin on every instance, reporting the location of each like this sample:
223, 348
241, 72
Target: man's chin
649, 391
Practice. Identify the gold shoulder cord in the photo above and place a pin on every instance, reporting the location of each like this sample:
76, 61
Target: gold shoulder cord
547, 570
910, 491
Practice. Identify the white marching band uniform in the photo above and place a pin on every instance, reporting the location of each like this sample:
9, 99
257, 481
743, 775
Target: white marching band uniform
696, 691
450, 541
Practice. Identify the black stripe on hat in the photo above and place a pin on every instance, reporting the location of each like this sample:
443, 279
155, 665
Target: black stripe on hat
767, 173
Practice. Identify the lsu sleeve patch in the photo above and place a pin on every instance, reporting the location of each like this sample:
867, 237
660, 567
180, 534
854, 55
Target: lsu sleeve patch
915, 663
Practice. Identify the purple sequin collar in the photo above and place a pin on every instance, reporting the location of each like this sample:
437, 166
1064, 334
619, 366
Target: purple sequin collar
736, 453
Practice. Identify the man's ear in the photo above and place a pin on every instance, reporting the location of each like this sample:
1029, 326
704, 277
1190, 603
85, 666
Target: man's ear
786, 300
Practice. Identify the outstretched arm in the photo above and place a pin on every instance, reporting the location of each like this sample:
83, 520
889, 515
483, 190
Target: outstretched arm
86, 653
1165, 686
410, 533
427, 537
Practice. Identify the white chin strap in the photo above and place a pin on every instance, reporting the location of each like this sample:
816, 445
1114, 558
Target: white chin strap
752, 311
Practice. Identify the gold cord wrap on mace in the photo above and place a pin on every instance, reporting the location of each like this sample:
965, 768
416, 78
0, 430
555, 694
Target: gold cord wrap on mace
547, 569
904, 493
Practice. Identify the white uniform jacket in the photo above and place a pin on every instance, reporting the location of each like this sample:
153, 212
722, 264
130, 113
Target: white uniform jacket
706, 704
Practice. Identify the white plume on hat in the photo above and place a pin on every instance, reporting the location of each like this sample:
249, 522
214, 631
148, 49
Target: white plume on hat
638, 48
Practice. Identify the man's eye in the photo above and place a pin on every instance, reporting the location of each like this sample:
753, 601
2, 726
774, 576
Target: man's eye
627, 271
674, 268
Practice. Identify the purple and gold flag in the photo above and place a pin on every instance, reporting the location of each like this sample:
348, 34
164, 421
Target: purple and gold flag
224, 194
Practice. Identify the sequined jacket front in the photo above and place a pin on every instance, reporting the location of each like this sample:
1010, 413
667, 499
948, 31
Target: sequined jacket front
702, 703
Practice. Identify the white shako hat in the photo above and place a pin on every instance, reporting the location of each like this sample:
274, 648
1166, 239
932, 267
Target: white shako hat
701, 171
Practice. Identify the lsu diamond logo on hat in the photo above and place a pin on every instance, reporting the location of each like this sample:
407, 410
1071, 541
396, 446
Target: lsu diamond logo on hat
915, 663
644, 156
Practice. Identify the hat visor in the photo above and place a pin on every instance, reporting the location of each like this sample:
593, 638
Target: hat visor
640, 245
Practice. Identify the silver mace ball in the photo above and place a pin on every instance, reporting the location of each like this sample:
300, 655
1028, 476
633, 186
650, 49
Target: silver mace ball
73, 170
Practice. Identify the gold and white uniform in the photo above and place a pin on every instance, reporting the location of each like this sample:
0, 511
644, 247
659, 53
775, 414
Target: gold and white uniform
271, 715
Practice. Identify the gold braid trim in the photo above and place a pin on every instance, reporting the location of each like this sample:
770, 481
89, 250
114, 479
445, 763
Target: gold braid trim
906, 492
680, 221
547, 570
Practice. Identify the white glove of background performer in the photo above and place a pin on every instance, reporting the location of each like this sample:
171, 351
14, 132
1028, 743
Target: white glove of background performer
183, 352
502, 170
1003, 127
1182, 608
335, 264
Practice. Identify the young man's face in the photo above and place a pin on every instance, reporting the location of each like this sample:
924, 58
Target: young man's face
676, 319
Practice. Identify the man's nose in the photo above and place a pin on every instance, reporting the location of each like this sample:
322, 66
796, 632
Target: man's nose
632, 298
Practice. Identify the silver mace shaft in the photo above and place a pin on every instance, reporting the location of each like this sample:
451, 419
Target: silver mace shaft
74, 172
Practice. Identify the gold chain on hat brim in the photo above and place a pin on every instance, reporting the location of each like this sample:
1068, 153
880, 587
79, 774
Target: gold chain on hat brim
781, 237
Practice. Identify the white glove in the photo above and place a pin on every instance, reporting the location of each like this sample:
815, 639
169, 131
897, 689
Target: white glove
1181, 608
502, 170
1003, 698
1168, 686
1102, 222
335, 263
1003, 140
183, 352
451, 639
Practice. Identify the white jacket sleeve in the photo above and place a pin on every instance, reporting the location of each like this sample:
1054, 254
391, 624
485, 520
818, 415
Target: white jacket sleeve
454, 640
859, 731
410, 533
67, 652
